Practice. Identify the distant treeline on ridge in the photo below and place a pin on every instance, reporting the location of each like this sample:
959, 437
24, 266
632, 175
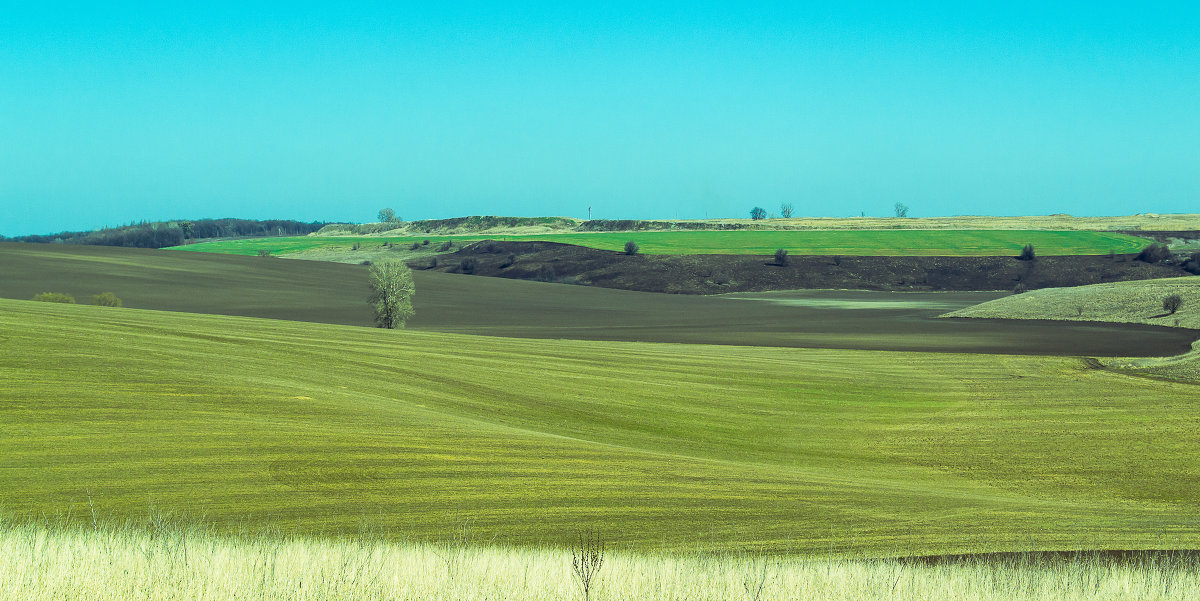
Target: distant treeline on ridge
159, 234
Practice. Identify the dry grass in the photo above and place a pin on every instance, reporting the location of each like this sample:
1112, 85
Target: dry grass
1122, 302
157, 562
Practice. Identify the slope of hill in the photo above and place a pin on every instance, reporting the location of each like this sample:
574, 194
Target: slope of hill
316, 428
336, 293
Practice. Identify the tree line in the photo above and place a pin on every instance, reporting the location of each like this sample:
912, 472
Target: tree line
159, 234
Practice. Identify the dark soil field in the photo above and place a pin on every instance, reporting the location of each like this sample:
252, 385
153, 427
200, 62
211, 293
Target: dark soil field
336, 293
716, 274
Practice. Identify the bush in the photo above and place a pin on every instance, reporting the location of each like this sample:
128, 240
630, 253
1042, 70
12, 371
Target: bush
415, 246
106, 299
1027, 253
781, 257
264, 252
1192, 265
1155, 253
425, 243
447, 245
631, 248
356, 246
468, 265
55, 297
433, 263
1172, 303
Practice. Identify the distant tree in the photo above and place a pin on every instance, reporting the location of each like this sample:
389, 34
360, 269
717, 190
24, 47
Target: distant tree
1155, 253
785, 210
901, 209
391, 293
1027, 253
781, 257
264, 252
387, 216
631, 248
1172, 303
758, 213
106, 299
186, 228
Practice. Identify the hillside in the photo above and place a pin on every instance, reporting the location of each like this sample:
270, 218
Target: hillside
317, 428
456, 303
1120, 302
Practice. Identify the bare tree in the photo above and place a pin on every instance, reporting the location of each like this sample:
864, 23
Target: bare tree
758, 213
391, 292
786, 209
587, 557
901, 209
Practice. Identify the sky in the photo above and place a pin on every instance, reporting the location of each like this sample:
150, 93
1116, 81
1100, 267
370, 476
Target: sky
118, 112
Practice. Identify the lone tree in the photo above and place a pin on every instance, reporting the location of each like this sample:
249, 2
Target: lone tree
391, 292
785, 210
758, 213
781, 257
901, 209
1027, 253
387, 216
631, 248
1172, 303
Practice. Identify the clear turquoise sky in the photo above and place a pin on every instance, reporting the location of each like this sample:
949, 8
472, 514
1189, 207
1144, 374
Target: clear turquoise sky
123, 112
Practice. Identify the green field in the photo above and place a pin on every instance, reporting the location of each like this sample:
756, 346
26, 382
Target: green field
321, 428
815, 242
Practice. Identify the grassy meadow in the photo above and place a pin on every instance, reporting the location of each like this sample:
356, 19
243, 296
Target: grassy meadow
157, 562
317, 429
757, 242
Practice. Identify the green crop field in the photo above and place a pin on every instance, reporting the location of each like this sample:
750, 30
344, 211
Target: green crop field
319, 428
809, 242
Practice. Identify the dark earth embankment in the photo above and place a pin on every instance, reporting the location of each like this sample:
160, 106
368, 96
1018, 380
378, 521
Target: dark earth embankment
336, 293
716, 274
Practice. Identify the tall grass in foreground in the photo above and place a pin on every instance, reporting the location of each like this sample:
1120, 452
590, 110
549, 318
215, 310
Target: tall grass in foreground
39, 562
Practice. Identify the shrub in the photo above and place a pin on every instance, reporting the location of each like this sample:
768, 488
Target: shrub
631, 248
447, 245
433, 263
1192, 265
106, 299
264, 252
781, 257
468, 265
1027, 253
425, 243
356, 246
1172, 303
1155, 253
415, 246
55, 297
